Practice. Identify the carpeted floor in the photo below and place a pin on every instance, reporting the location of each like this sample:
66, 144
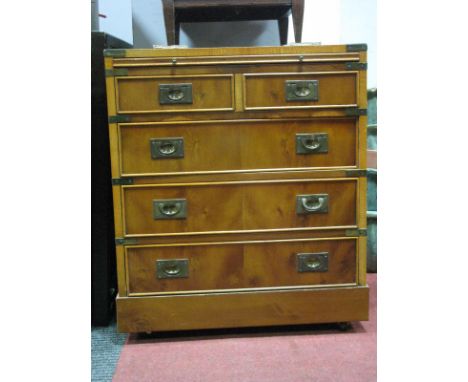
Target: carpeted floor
106, 345
286, 354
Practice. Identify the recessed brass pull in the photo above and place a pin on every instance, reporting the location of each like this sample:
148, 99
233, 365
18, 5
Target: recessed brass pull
312, 262
172, 269
311, 204
311, 143
169, 209
167, 148
301, 90
175, 94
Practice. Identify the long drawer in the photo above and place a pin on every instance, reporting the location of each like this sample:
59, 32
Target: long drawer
222, 266
223, 207
217, 146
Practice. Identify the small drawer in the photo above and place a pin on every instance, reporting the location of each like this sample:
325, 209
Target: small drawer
154, 94
220, 146
270, 91
230, 207
240, 265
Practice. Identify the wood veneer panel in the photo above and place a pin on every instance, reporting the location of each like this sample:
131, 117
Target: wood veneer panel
240, 206
234, 265
227, 310
141, 94
242, 145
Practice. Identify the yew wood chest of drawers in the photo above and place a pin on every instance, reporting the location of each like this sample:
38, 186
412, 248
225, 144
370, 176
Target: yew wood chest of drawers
239, 185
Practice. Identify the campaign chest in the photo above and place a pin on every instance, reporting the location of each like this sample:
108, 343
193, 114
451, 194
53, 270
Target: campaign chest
239, 185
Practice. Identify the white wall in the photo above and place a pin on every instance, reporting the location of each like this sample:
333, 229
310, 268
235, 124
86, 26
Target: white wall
344, 22
118, 18
328, 22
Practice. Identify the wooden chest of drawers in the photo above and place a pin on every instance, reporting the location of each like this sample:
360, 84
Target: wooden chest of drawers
239, 185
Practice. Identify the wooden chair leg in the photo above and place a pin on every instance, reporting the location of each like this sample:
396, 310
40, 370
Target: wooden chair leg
283, 23
169, 21
298, 17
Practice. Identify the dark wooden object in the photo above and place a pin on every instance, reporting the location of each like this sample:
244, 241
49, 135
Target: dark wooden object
184, 11
103, 272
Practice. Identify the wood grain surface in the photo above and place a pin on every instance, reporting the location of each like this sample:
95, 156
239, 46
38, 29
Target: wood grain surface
267, 90
232, 266
236, 145
141, 94
240, 176
239, 206
228, 310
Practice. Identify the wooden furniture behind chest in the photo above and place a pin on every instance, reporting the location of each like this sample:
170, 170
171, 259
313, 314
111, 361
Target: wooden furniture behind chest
189, 11
239, 185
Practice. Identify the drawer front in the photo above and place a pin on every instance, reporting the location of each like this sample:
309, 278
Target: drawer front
270, 91
239, 206
219, 146
154, 94
237, 266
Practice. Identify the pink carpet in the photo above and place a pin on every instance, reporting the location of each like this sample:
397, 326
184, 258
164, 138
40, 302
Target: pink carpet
290, 354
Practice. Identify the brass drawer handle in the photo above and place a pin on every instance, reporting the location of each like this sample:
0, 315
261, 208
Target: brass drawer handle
169, 209
301, 90
175, 94
311, 143
312, 262
171, 269
167, 148
311, 204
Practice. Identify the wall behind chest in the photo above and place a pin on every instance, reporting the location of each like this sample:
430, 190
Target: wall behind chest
328, 22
